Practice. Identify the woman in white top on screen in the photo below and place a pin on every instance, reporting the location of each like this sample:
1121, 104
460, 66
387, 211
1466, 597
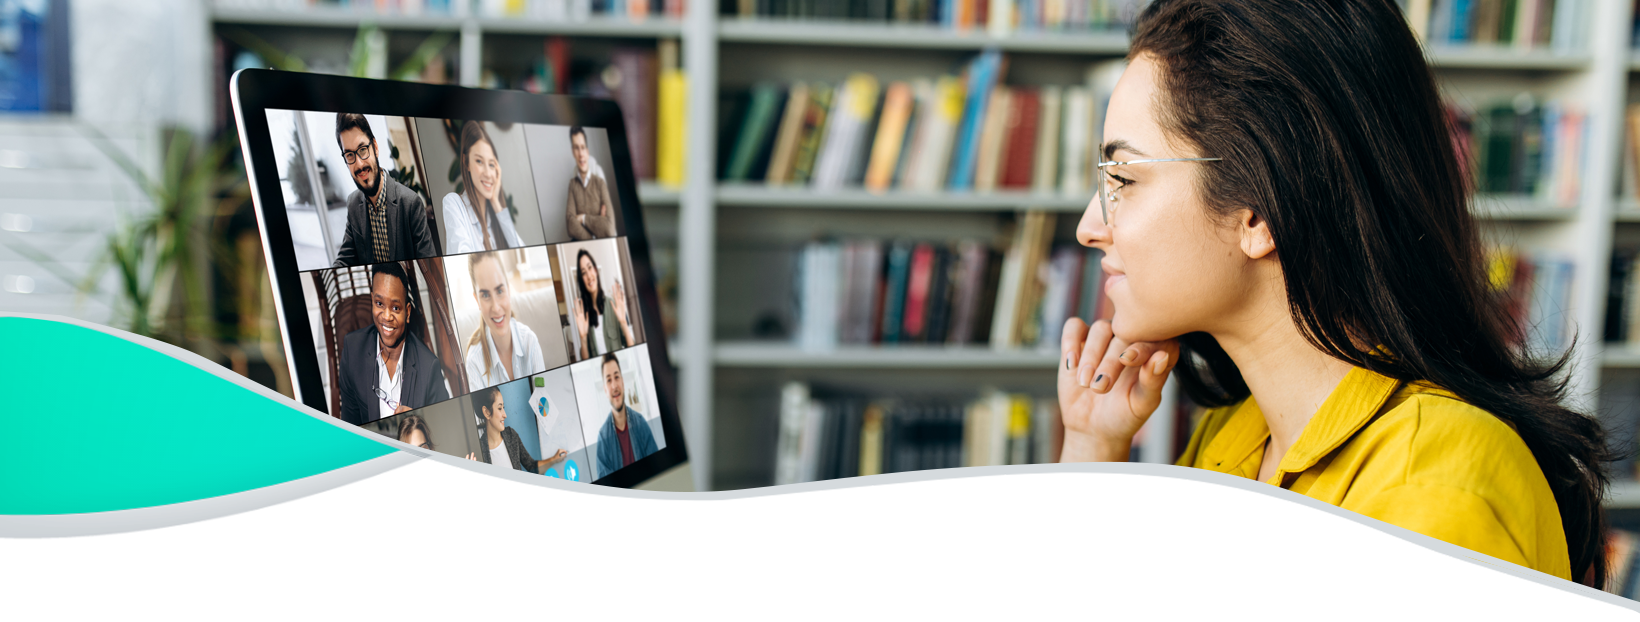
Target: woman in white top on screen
477, 219
502, 348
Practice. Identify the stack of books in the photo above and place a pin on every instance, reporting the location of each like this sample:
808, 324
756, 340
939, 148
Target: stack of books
866, 291
998, 16
1524, 146
948, 133
1523, 24
831, 437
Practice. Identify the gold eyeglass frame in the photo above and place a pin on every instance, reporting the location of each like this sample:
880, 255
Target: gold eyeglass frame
1108, 196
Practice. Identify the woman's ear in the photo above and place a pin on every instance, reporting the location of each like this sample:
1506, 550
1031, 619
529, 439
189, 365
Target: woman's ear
1256, 241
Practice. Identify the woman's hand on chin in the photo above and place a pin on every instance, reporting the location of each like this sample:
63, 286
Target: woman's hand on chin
1108, 388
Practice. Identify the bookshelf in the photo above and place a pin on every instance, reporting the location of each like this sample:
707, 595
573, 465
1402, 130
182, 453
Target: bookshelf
725, 234
760, 196
753, 354
921, 36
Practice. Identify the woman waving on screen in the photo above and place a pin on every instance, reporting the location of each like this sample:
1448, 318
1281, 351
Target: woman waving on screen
1284, 217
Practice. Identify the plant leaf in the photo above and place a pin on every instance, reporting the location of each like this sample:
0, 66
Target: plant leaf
275, 57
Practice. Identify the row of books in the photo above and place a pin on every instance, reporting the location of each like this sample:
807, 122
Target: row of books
1537, 288
1000, 17
925, 135
648, 83
1523, 146
1630, 175
1622, 323
1524, 24
829, 437
866, 291
548, 10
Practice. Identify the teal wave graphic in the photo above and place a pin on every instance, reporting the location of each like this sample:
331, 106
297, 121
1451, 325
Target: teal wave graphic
92, 422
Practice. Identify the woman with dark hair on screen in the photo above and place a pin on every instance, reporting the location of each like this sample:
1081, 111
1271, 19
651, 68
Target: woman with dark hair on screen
1283, 216
611, 336
477, 219
499, 444
413, 431
502, 348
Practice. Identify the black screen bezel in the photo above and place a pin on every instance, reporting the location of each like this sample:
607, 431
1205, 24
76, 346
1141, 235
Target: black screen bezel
257, 90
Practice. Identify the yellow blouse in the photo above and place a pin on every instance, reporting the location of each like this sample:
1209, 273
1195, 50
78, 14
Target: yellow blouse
1408, 454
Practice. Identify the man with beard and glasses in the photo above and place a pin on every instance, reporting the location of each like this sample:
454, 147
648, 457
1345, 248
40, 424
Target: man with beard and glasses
385, 220
385, 370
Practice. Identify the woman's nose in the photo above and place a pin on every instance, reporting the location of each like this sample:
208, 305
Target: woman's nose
1092, 230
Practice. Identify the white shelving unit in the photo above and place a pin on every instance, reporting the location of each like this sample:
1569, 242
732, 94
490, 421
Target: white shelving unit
711, 219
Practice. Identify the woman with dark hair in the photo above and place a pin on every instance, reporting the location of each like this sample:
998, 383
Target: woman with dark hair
597, 310
413, 431
499, 444
1284, 217
477, 219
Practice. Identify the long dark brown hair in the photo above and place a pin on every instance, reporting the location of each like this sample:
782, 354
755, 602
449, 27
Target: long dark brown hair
592, 303
411, 423
1331, 130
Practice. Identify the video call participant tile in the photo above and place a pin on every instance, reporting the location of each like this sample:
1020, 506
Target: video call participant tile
442, 427
619, 416
382, 332
508, 430
601, 300
353, 190
506, 317
579, 201
479, 178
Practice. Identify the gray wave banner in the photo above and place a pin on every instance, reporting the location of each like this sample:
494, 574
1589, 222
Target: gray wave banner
450, 535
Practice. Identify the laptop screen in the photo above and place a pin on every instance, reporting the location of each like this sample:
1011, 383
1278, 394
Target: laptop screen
469, 286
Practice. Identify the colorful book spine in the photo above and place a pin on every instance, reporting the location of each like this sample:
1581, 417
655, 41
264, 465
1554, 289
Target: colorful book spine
982, 79
885, 151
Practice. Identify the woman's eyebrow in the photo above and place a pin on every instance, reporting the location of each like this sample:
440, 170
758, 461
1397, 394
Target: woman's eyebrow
1119, 144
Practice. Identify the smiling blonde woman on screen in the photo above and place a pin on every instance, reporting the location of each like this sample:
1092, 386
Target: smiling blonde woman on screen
502, 348
1283, 214
477, 219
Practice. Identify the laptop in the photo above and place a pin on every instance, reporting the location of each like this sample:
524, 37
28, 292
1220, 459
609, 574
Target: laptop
463, 270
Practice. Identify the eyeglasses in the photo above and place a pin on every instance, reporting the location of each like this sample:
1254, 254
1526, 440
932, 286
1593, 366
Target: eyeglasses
382, 395
353, 157
1107, 193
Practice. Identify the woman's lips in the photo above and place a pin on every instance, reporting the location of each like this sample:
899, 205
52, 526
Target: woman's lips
498, 320
1111, 282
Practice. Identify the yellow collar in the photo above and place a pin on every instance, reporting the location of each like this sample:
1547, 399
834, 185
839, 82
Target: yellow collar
1238, 448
